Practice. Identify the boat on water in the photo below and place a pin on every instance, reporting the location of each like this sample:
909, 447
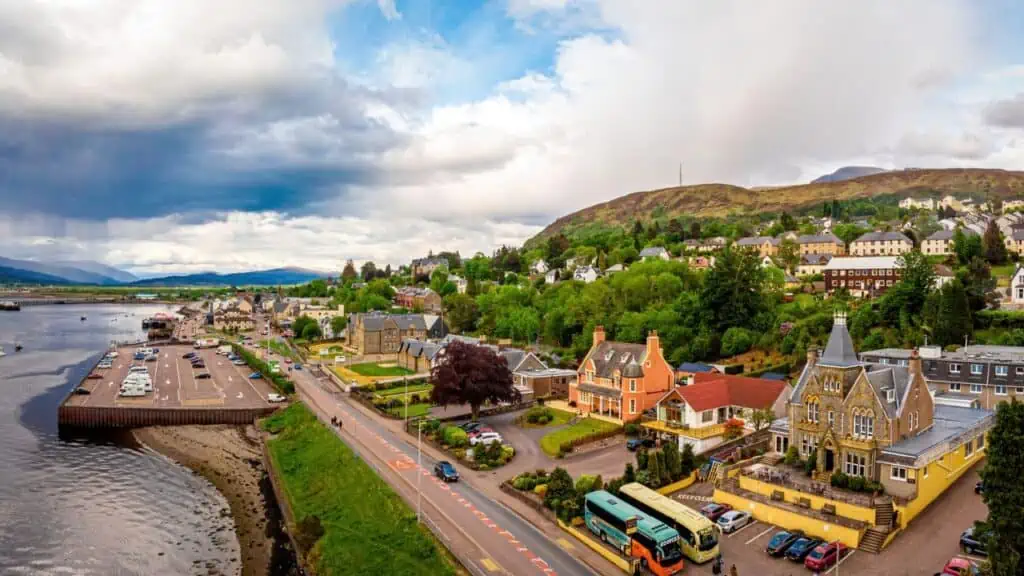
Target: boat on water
2, 353
83, 318
18, 347
10, 306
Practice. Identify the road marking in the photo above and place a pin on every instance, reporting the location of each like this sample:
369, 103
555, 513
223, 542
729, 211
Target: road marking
747, 525
769, 529
565, 544
490, 565
841, 560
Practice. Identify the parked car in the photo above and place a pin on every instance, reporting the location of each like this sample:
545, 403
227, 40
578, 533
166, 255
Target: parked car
959, 567
297, 366
188, 355
470, 426
198, 365
479, 430
781, 542
971, 543
287, 360
825, 555
634, 444
238, 362
485, 438
979, 488
715, 511
445, 471
81, 391
733, 520
94, 376
275, 397
801, 548
255, 376
202, 376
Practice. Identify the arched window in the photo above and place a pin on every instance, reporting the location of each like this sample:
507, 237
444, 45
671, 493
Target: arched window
813, 409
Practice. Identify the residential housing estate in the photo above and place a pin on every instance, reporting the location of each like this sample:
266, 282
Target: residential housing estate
619, 379
862, 275
881, 244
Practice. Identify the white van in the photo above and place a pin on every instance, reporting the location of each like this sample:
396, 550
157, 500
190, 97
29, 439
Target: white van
132, 391
142, 380
138, 370
224, 350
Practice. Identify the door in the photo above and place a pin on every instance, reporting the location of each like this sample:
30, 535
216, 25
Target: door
829, 460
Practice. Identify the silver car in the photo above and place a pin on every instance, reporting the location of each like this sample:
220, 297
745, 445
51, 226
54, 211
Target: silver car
733, 520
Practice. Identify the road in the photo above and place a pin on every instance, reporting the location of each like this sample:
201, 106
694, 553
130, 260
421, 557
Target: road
502, 542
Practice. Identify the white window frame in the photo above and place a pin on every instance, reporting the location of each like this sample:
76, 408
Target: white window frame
898, 473
890, 395
632, 384
954, 386
1019, 370
975, 388
1002, 371
632, 405
1020, 390
981, 443
1000, 389
954, 368
968, 448
707, 416
977, 369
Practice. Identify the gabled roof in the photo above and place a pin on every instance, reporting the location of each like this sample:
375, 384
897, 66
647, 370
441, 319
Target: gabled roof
839, 351
757, 241
694, 367
815, 259
884, 378
611, 356
883, 237
818, 239
710, 391
652, 251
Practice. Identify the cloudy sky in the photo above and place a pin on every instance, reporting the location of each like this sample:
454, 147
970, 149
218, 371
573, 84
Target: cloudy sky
180, 135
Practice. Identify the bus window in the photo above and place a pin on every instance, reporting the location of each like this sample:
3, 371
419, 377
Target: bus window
708, 539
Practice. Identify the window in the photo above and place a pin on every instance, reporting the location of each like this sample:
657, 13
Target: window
914, 420
890, 395
981, 442
1000, 389
899, 473
632, 405
804, 446
831, 418
954, 387
969, 448
977, 369
975, 388
924, 471
954, 368
707, 416
855, 464
812, 412
1002, 371
632, 385
1019, 370
1020, 389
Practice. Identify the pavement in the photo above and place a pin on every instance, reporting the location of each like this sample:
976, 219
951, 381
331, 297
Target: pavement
495, 539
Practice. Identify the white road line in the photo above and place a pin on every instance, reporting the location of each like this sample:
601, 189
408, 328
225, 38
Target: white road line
177, 369
841, 560
747, 525
761, 534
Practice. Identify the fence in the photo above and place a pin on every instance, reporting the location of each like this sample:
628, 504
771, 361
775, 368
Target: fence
127, 417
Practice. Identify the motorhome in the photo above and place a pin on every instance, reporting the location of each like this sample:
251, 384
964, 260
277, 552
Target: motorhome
138, 379
206, 343
132, 391
225, 350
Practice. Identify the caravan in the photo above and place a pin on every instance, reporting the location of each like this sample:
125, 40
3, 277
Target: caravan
138, 380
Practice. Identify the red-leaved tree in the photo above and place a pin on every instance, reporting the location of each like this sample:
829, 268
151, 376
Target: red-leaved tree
471, 374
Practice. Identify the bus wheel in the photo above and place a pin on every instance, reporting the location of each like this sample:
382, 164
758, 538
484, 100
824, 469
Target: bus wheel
604, 537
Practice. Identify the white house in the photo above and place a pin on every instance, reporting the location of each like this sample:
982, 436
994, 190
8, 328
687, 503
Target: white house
539, 267
923, 204
461, 284
586, 274
811, 264
1017, 286
654, 252
943, 275
696, 414
767, 262
551, 276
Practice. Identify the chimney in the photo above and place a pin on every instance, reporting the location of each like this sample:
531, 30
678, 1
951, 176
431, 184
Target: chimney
915, 362
598, 335
812, 355
653, 344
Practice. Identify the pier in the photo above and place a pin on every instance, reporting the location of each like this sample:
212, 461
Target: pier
180, 394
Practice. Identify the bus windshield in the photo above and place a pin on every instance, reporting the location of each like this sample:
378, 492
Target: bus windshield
708, 539
670, 552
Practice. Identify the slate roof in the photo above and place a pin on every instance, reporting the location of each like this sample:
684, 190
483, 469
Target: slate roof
694, 367
757, 241
815, 259
949, 423
611, 356
839, 351
410, 322
883, 237
711, 391
818, 239
514, 357
884, 378
863, 263
633, 370
653, 252
1018, 235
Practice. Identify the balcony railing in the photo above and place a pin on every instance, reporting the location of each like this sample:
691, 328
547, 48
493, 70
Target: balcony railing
681, 429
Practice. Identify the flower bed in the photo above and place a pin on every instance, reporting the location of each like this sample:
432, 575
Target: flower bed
541, 416
454, 441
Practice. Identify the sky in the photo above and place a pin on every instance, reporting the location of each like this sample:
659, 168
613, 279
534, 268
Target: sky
165, 136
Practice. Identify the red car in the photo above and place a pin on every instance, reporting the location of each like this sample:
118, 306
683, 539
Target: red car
714, 511
960, 567
479, 431
94, 376
825, 555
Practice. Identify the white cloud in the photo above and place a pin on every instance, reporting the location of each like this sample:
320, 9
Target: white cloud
388, 9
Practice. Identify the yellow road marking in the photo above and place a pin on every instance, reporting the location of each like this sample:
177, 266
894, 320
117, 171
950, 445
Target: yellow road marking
566, 544
491, 565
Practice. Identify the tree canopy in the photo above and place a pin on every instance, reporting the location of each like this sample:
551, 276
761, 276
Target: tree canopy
1004, 492
470, 374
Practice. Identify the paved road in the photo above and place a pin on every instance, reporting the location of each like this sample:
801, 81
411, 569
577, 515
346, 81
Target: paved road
505, 543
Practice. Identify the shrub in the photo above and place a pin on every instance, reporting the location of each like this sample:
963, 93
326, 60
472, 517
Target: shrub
632, 429
459, 453
507, 452
840, 480
560, 488
532, 417
644, 477
812, 462
308, 532
540, 401
856, 483
455, 437
585, 483
483, 467
792, 456
572, 403
540, 490
414, 398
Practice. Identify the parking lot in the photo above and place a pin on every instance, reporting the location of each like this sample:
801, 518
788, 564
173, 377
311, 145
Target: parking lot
176, 384
924, 548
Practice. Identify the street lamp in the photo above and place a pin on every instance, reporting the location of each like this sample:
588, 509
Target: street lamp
419, 471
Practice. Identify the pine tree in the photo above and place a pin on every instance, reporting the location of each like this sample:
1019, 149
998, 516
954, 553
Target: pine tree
654, 469
1004, 492
953, 316
641, 459
993, 246
673, 461
688, 461
630, 474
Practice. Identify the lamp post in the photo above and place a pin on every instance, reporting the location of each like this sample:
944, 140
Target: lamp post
419, 472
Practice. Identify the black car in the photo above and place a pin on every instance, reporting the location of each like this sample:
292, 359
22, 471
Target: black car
972, 544
470, 426
781, 542
202, 376
979, 488
634, 444
81, 391
198, 365
801, 548
188, 355
445, 471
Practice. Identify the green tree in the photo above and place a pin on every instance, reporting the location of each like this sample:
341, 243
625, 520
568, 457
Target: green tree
673, 462
300, 324
789, 254
787, 221
654, 469
338, 324
1004, 492
311, 331
951, 314
979, 284
630, 474
761, 417
688, 460
560, 489
438, 278
993, 245
966, 246
732, 291
462, 312
369, 271
349, 272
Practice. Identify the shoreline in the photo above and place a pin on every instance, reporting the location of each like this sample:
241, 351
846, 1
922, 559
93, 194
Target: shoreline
230, 457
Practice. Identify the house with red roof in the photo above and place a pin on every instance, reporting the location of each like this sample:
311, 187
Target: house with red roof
696, 414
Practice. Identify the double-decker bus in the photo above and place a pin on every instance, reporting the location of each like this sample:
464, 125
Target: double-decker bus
698, 535
634, 533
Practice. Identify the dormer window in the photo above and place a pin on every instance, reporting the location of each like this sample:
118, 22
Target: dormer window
624, 358
890, 396
609, 355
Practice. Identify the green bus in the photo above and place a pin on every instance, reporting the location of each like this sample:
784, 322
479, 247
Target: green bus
634, 533
699, 535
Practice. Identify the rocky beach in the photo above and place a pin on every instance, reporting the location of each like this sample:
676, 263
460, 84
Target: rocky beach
230, 457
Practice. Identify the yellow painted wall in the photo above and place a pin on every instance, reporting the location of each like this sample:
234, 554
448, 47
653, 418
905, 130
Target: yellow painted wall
680, 485
817, 502
790, 520
953, 465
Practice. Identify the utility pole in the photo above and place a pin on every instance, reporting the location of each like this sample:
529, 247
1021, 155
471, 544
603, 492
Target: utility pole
419, 475
680, 174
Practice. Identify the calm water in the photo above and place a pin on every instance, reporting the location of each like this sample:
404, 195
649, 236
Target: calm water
92, 506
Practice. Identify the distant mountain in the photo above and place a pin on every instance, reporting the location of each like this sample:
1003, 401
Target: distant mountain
69, 274
10, 275
274, 277
847, 173
99, 269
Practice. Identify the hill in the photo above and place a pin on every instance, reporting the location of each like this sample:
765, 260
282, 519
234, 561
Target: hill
10, 275
67, 273
274, 277
848, 172
115, 274
719, 200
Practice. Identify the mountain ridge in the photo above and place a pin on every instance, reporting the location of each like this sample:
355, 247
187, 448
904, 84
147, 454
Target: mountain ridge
270, 277
848, 173
719, 200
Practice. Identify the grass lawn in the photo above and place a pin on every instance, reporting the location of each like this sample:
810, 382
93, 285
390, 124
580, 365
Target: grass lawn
400, 390
558, 417
368, 529
283, 349
378, 371
422, 409
585, 427
1003, 274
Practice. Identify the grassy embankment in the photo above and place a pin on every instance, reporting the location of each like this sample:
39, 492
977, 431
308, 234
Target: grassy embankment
367, 527
552, 443
280, 381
